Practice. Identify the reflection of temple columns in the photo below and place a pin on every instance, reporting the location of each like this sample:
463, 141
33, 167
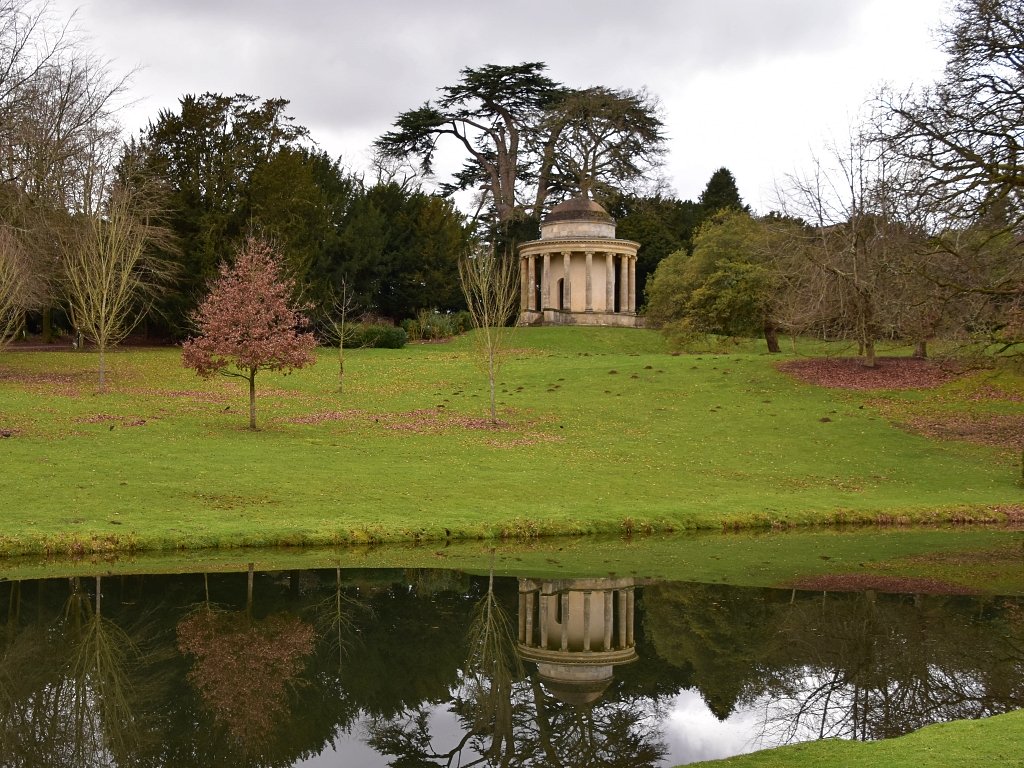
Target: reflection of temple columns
577, 631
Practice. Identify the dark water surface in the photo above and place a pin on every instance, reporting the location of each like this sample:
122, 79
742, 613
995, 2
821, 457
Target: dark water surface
440, 668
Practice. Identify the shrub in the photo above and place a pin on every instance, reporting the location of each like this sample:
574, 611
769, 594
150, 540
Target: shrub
434, 325
462, 322
412, 329
379, 337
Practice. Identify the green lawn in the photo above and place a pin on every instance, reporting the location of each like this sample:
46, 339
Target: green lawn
995, 741
606, 432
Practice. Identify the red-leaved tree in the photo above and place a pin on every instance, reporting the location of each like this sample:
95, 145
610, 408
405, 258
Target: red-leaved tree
247, 323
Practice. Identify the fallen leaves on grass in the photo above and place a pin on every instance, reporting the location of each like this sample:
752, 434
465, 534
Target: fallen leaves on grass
104, 418
48, 383
851, 373
432, 421
999, 430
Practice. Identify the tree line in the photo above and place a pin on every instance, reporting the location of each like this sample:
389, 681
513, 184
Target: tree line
908, 229
164, 210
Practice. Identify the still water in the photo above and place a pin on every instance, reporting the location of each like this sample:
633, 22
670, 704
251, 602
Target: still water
441, 668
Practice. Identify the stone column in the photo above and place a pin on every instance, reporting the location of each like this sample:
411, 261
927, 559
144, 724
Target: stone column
544, 599
622, 618
545, 283
528, 620
589, 283
566, 282
586, 620
624, 286
523, 285
609, 268
531, 280
564, 597
632, 284
607, 620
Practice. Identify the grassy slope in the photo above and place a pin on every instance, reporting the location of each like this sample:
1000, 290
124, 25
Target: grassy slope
608, 432
996, 741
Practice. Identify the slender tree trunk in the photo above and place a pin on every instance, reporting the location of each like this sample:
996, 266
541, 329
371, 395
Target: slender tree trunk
341, 362
47, 325
869, 352
921, 349
103, 368
490, 378
771, 337
252, 398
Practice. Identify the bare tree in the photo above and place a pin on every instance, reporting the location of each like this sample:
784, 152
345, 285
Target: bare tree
58, 134
15, 285
490, 283
848, 285
340, 306
112, 267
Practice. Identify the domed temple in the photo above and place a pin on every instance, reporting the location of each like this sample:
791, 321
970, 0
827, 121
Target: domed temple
578, 273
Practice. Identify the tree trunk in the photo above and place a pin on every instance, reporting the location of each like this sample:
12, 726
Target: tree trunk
341, 363
47, 325
869, 353
252, 398
771, 337
103, 368
490, 379
921, 349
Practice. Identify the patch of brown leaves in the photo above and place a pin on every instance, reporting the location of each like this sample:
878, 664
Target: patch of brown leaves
104, 418
859, 582
999, 430
851, 373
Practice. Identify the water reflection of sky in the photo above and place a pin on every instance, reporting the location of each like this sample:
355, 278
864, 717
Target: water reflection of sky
691, 733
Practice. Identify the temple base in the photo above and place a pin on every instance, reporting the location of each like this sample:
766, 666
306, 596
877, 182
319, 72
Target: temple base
564, 317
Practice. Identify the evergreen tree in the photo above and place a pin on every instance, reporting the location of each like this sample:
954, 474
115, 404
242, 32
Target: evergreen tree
721, 192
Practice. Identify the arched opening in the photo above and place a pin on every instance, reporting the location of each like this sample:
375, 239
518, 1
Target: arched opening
537, 293
560, 287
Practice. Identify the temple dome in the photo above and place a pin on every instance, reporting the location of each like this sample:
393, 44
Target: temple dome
578, 209
578, 217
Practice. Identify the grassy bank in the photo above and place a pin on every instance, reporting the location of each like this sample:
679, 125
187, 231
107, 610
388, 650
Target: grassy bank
995, 741
605, 432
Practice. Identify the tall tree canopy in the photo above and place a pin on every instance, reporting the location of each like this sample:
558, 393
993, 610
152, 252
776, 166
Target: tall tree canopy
492, 111
225, 161
529, 137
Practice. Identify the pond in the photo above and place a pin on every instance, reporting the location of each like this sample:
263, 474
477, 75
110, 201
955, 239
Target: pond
422, 667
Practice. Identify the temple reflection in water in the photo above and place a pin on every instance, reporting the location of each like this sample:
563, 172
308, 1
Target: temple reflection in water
577, 631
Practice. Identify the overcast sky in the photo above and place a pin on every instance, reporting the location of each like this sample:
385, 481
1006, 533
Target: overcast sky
753, 85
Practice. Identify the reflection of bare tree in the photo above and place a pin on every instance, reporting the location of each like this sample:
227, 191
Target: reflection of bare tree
491, 669
66, 691
244, 668
335, 619
861, 667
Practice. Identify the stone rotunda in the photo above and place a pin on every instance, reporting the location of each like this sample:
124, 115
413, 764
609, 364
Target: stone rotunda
578, 273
